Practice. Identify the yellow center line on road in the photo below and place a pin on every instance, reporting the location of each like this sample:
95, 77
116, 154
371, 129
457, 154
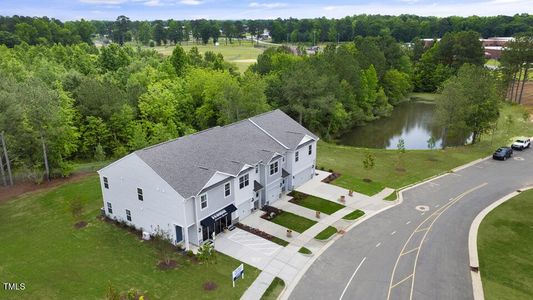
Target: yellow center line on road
436, 214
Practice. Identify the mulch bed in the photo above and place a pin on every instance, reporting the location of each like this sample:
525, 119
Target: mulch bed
18, 189
209, 286
270, 211
331, 177
367, 180
255, 231
400, 170
80, 224
172, 264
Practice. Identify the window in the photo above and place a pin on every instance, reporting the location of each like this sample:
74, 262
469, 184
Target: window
203, 201
310, 149
128, 215
256, 169
274, 168
140, 194
257, 195
244, 181
227, 189
106, 183
297, 156
109, 208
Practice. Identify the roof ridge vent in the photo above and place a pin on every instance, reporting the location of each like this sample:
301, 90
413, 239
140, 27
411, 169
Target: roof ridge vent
204, 168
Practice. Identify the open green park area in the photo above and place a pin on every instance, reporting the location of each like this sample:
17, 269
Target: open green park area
42, 248
504, 248
242, 54
417, 164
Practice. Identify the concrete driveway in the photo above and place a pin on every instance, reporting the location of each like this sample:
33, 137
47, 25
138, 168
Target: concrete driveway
247, 247
418, 249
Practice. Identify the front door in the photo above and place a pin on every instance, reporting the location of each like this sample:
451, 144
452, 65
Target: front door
179, 234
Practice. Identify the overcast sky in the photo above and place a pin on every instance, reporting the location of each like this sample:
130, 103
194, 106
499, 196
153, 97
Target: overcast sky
255, 9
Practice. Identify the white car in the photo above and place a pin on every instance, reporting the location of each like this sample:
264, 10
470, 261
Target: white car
521, 144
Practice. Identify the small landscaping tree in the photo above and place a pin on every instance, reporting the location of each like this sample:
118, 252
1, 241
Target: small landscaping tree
432, 143
368, 165
162, 243
401, 151
207, 255
111, 293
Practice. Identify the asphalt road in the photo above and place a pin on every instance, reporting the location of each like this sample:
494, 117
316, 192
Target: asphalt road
406, 253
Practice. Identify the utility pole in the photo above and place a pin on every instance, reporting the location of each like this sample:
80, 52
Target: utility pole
7, 159
2, 171
45, 156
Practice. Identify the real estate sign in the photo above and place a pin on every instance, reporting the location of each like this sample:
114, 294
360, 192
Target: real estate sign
237, 273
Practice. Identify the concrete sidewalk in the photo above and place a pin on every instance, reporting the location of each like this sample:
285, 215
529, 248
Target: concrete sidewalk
288, 263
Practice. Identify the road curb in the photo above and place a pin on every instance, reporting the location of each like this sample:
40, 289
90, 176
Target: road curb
477, 285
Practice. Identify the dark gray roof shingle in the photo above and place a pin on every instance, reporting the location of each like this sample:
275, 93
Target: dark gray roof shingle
187, 163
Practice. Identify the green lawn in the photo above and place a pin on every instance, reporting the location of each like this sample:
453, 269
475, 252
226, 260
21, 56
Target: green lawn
274, 289
392, 197
304, 250
419, 164
293, 222
428, 97
505, 245
316, 203
40, 247
352, 183
279, 241
243, 54
354, 215
326, 233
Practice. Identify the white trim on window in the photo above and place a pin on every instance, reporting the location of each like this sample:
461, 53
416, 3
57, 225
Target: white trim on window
310, 151
297, 156
128, 215
274, 168
109, 208
227, 190
244, 181
140, 195
106, 183
203, 199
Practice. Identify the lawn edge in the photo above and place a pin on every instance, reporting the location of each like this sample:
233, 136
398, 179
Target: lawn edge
477, 283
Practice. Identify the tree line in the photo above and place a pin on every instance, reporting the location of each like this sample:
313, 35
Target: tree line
404, 28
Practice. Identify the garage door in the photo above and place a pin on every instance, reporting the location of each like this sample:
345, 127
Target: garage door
302, 177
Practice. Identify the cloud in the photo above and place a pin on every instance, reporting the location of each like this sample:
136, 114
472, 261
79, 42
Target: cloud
267, 5
191, 2
152, 3
112, 2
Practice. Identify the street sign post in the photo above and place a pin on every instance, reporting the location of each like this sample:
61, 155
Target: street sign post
237, 273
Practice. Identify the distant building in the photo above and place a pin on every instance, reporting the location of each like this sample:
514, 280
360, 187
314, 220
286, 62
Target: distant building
493, 46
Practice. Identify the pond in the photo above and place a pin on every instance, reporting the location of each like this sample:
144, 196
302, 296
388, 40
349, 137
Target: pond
412, 121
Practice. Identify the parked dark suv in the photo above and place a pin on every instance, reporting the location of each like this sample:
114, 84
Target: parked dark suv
503, 153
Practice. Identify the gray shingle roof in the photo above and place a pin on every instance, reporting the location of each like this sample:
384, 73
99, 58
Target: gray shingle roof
282, 127
187, 163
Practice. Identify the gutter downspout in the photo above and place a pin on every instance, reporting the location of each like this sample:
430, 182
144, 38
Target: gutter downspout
187, 247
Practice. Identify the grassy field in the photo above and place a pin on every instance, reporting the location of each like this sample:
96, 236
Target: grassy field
293, 222
326, 233
368, 188
505, 246
41, 248
242, 55
315, 203
419, 164
274, 289
354, 215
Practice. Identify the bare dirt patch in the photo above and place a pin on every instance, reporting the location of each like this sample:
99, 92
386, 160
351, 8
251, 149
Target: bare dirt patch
172, 264
80, 225
209, 286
